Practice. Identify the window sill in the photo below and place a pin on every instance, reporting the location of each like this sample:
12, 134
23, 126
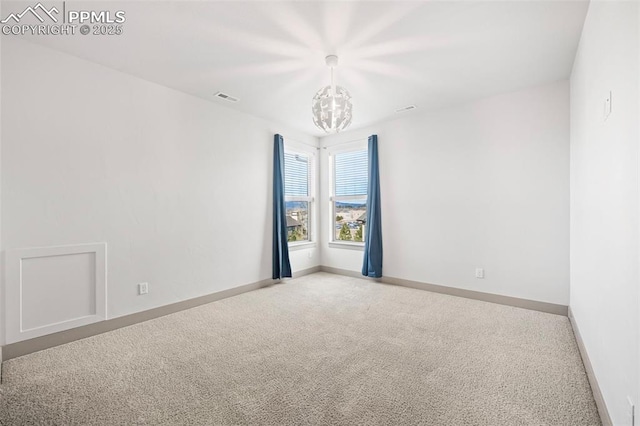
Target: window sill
302, 245
349, 246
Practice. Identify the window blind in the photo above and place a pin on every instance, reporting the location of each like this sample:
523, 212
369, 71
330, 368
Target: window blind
296, 175
351, 173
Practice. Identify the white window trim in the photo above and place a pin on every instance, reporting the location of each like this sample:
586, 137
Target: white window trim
297, 148
332, 151
301, 245
347, 245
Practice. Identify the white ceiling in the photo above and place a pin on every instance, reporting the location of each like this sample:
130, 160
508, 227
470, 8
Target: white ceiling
392, 54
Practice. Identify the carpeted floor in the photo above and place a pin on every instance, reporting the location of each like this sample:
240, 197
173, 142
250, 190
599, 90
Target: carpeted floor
321, 349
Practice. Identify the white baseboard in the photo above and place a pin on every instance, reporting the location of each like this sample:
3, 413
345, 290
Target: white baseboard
534, 305
593, 381
44, 342
36, 344
308, 271
25, 347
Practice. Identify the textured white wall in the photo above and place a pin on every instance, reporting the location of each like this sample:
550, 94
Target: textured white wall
604, 199
484, 184
178, 187
2, 297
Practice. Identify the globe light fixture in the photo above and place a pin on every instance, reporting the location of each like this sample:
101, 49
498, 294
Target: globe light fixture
331, 106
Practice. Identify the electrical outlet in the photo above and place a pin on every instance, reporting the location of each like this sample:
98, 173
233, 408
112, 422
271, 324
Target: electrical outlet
607, 105
479, 273
309, 255
632, 412
143, 288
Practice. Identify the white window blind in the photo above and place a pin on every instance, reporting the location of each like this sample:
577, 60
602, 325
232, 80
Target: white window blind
351, 173
296, 175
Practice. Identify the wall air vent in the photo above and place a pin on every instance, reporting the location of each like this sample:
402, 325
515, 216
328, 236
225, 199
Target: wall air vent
225, 97
407, 108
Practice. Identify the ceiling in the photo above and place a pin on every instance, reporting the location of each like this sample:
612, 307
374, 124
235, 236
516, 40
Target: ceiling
270, 55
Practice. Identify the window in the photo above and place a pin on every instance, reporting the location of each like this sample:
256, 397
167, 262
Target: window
349, 196
298, 195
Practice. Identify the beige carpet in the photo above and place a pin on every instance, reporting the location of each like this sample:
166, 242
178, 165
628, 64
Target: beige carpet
321, 349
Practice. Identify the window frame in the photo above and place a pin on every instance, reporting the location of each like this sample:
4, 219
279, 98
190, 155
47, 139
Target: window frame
333, 151
299, 149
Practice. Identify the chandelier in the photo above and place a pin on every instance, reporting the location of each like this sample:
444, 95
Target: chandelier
331, 106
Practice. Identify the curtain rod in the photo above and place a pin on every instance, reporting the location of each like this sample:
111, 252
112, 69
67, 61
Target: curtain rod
297, 141
325, 147
346, 142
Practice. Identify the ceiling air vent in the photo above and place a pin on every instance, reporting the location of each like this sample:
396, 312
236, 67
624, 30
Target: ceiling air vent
225, 97
407, 108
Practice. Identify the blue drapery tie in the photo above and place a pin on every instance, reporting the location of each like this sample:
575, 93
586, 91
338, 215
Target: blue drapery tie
372, 265
281, 265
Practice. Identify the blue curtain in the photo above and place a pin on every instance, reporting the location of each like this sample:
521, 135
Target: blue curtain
281, 265
372, 265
